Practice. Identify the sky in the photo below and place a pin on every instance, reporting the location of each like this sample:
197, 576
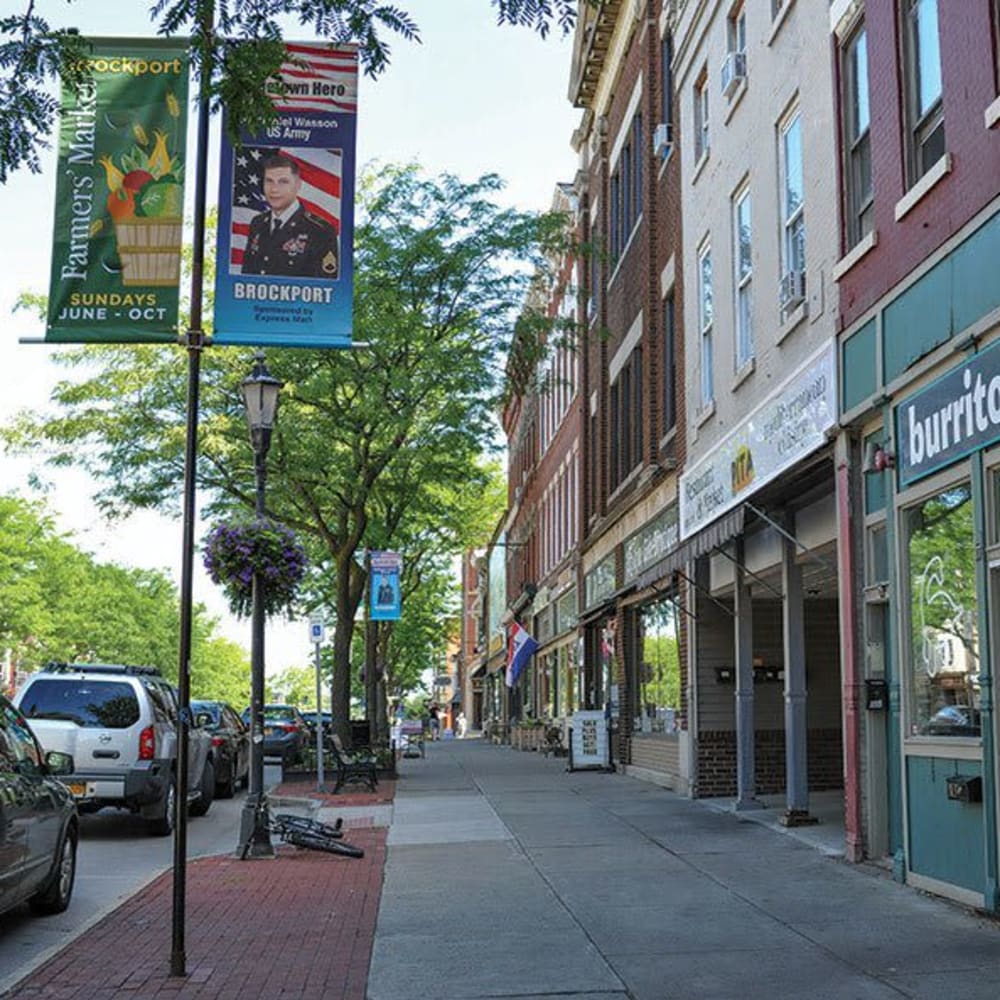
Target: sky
471, 98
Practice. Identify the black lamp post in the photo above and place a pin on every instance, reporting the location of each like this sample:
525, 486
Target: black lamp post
260, 397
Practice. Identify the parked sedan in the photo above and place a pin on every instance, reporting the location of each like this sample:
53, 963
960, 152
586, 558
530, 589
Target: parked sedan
285, 732
232, 745
38, 821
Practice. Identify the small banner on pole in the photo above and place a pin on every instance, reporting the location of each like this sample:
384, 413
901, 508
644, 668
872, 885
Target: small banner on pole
285, 266
386, 603
116, 251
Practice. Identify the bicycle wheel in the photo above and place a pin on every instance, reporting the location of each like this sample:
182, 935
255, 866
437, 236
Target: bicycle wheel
304, 825
317, 842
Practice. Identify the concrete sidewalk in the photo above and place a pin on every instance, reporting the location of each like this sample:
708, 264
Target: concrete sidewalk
509, 877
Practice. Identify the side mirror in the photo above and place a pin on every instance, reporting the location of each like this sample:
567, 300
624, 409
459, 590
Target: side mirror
203, 719
59, 763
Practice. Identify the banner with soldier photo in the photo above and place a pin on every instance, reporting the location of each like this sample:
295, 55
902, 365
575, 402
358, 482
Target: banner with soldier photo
284, 268
116, 255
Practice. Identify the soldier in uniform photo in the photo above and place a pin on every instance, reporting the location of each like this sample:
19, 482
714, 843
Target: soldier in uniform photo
286, 240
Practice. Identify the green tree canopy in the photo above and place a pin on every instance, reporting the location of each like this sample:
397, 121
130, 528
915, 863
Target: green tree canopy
240, 51
377, 447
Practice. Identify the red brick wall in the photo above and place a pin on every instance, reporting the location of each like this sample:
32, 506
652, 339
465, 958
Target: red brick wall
969, 86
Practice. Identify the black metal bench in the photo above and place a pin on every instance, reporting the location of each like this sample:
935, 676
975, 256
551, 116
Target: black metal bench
359, 767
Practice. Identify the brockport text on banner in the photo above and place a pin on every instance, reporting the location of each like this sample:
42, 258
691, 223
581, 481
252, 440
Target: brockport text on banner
116, 248
285, 266
520, 648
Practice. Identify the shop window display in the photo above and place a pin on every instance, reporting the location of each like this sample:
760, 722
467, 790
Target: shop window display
944, 641
658, 681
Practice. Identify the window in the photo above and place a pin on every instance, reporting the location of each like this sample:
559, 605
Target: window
858, 200
656, 664
793, 245
743, 277
701, 116
705, 323
626, 418
944, 690
666, 79
669, 366
626, 189
925, 113
90, 704
736, 30
996, 42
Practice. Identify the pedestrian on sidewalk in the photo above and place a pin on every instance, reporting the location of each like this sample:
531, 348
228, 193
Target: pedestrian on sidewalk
460, 725
435, 715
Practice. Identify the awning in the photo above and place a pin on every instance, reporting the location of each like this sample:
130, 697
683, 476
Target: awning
480, 671
716, 534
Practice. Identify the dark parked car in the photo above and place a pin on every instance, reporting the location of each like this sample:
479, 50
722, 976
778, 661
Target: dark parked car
285, 732
38, 821
232, 745
310, 718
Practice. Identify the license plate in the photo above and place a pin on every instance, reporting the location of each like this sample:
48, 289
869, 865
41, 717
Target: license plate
79, 789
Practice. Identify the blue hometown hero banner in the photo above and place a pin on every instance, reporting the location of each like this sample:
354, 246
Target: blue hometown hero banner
285, 265
386, 603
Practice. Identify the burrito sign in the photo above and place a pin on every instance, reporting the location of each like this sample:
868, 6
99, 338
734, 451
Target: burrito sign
116, 256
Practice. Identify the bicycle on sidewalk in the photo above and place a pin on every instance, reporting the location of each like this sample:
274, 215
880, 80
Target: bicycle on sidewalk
302, 832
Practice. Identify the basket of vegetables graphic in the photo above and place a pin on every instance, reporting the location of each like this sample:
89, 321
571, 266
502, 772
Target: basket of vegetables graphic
146, 205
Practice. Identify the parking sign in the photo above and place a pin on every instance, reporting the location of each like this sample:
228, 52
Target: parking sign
317, 632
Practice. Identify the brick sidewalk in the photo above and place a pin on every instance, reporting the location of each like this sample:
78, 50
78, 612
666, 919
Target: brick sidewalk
307, 790
300, 926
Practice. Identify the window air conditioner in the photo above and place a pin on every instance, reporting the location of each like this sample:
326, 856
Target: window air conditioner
662, 140
734, 72
792, 290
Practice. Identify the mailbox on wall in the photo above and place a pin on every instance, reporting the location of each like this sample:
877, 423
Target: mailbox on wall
876, 694
965, 788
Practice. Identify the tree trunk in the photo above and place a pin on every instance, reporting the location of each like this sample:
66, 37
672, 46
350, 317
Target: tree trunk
349, 591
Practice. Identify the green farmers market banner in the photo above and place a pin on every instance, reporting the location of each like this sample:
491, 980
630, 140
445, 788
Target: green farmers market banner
116, 251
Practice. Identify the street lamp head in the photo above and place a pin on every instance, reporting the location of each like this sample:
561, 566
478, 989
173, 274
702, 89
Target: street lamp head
260, 398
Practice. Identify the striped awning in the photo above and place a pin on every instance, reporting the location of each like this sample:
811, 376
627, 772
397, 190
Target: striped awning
711, 537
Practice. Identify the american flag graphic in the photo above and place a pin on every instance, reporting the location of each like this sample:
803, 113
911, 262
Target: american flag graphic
321, 171
335, 70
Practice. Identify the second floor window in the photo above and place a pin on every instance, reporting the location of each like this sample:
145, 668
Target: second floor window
705, 324
925, 114
669, 365
858, 199
666, 79
793, 248
743, 277
626, 418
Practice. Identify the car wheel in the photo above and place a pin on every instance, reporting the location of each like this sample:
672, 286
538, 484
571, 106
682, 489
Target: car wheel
206, 790
226, 789
163, 825
55, 897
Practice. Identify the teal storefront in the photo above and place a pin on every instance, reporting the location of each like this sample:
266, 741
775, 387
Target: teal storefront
921, 400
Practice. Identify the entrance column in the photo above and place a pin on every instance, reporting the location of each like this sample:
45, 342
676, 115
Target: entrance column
746, 769
793, 612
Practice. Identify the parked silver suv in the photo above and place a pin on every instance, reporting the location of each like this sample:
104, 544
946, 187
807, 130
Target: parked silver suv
119, 723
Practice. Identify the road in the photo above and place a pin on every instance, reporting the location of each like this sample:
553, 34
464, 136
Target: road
116, 855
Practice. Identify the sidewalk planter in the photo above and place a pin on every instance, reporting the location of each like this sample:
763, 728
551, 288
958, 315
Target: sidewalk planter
527, 736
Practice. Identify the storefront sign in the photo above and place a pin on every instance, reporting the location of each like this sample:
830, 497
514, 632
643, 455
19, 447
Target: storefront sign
589, 744
116, 253
285, 266
651, 542
599, 583
786, 427
950, 418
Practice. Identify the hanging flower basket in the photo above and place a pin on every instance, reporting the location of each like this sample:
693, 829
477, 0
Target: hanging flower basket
233, 552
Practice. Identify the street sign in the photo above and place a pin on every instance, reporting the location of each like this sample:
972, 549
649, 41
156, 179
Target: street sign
317, 632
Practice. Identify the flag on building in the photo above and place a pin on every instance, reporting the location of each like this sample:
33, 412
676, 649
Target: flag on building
520, 648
